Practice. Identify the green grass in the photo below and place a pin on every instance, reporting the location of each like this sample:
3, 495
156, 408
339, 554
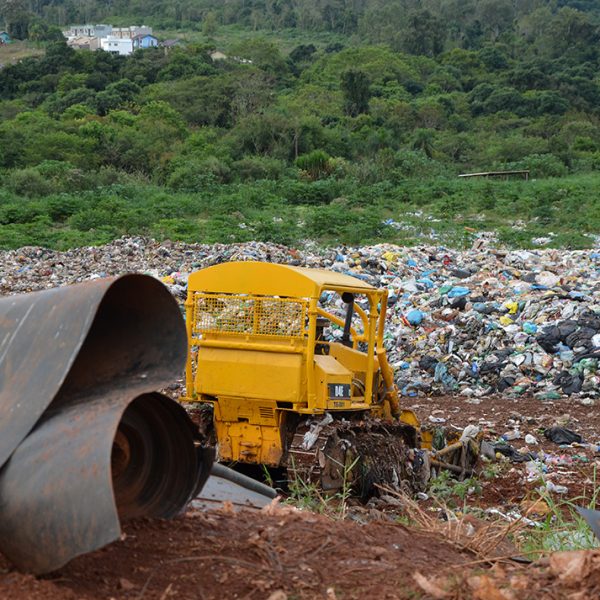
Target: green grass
439, 211
306, 495
228, 36
563, 528
451, 492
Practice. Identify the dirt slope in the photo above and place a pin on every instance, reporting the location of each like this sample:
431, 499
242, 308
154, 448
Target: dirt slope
248, 555
290, 555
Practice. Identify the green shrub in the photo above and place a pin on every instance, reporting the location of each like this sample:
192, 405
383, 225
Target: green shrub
277, 230
251, 168
540, 165
315, 164
28, 182
411, 163
318, 192
177, 229
16, 235
328, 221
91, 218
22, 211
61, 207
198, 175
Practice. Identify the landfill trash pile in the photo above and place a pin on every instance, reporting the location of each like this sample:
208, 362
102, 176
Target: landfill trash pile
473, 322
506, 341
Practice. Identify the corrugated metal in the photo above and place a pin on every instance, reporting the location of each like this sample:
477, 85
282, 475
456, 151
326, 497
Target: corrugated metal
84, 437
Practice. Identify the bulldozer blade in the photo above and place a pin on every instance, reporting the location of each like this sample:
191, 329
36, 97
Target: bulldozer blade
85, 441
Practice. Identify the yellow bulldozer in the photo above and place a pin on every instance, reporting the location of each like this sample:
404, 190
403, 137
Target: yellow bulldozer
285, 393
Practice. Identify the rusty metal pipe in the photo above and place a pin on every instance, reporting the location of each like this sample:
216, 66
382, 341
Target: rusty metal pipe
242, 480
448, 449
84, 438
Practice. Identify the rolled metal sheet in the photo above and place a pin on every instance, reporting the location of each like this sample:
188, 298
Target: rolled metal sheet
40, 336
84, 438
592, 518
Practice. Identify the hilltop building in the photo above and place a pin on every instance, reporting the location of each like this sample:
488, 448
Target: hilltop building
116, 45
118, 40
144, 40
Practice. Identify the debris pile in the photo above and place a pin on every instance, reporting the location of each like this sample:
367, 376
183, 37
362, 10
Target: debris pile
536, 458
471, 322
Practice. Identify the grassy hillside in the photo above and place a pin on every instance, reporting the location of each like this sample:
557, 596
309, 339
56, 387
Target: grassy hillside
322, 124
564, 212
17, 51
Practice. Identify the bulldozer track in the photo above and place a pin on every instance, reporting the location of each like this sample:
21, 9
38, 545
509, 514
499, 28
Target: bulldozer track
356, 456
303, 464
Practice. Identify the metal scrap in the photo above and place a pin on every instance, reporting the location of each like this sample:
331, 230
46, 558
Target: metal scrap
85, 439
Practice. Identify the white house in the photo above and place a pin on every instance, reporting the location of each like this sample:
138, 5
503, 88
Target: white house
117, 45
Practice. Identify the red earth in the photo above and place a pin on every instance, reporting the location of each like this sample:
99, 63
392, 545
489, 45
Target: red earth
284, 554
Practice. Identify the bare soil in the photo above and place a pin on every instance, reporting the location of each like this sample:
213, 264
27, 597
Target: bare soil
573, 467
283, 554
224, 554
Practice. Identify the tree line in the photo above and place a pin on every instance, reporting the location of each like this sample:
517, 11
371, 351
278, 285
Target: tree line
417, 26
356, 129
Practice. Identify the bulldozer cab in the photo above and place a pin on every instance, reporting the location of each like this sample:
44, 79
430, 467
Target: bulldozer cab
257, 331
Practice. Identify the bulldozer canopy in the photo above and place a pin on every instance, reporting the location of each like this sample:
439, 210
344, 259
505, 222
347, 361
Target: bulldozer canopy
269, 279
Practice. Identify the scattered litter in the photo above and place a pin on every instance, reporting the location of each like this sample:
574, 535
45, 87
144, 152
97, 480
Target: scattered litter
473, 322
535, 507
512, 516
562, 435
487, 450
557, 489
312, 435
504, 449
509, 436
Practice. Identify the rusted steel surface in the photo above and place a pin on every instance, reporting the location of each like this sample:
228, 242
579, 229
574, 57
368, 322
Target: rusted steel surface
84, 438
592, 518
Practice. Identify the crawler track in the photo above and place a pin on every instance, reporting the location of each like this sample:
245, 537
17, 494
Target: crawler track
357, 455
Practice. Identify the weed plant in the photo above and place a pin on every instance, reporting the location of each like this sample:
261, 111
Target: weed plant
563, 527
306, 495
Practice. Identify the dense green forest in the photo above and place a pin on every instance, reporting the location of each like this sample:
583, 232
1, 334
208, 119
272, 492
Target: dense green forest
333, 120
465, 23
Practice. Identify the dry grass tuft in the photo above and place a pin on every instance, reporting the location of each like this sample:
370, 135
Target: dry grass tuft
488, 541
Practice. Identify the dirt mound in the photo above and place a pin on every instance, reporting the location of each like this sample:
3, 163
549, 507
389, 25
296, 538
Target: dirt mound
18, 585
280, 554
248, 555
564, 576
